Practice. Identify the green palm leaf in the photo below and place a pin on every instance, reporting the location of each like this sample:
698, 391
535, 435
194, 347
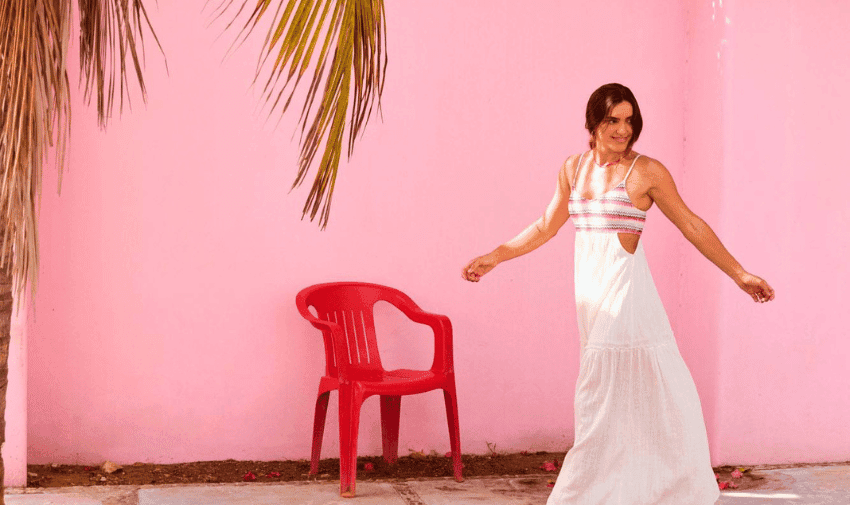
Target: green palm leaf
351, 63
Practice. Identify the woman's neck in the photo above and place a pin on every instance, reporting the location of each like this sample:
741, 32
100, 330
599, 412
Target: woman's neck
605, 158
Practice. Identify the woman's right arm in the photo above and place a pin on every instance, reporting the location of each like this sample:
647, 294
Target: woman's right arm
537, 234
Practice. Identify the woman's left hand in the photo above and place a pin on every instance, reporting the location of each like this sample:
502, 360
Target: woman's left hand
756, 287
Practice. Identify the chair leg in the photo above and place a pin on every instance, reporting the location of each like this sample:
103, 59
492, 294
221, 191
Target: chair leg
350, 400
454, 432
318, 430
390, 414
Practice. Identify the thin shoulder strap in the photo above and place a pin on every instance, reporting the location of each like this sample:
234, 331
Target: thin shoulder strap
630, 168
578, 167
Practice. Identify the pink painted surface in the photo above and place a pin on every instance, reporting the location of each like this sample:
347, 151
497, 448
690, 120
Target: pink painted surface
695, 313
783, 373
166, 329
15, 447
166, 326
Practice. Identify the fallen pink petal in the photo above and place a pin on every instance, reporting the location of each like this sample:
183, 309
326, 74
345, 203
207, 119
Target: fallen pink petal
368, 467
717, 476
733, 485
249, 477
548, 466
737, 474
723, 485
273, 474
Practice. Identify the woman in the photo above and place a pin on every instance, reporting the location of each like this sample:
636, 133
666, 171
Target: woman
639, 432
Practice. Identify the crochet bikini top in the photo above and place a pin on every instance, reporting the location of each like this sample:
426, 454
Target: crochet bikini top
612, 211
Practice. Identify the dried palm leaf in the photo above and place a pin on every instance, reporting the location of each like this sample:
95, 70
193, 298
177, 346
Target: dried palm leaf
353, 32
35, 113
109, 30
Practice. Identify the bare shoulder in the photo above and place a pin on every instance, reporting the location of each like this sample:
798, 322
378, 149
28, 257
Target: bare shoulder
568, 170
651, 171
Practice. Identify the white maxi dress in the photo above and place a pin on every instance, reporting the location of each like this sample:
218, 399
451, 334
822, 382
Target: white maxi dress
640, 438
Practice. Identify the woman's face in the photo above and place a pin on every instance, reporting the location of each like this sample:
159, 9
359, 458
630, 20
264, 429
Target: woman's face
615, 131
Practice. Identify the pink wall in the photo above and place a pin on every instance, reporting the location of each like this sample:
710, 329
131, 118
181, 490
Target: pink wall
166, 328
783, 374
696, 311
14, 451
763, 88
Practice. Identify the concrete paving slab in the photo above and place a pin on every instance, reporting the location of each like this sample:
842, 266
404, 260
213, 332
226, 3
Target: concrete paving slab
799, 485
499, 491
45, 499
301, 493
81, 495
810, 485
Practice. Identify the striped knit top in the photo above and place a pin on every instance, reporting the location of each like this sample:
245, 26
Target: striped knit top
611, 211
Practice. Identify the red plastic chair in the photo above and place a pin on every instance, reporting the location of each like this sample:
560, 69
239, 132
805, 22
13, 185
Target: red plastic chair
353, 366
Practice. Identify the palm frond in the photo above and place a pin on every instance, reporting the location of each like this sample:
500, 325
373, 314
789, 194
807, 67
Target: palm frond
35, 113
353, 32
109, 31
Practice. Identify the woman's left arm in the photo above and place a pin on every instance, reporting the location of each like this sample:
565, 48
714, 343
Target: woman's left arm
663, 192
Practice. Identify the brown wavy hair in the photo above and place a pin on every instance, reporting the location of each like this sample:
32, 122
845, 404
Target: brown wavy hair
601, 102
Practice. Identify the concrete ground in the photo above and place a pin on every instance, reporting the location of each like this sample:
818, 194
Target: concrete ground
800, 485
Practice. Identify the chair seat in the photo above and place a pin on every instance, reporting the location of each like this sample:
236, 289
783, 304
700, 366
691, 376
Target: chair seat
404, 381
405, 375
400, 381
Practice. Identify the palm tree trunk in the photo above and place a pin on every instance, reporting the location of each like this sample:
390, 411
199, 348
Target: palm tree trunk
5, 335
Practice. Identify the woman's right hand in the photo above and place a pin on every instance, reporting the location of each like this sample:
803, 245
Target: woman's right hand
476, 268
534, 236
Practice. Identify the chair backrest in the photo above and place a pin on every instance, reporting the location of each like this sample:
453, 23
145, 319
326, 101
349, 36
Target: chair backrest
350, 305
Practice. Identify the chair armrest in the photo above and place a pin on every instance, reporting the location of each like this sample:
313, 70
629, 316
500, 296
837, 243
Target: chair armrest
440, 324
335, 333
320, 324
